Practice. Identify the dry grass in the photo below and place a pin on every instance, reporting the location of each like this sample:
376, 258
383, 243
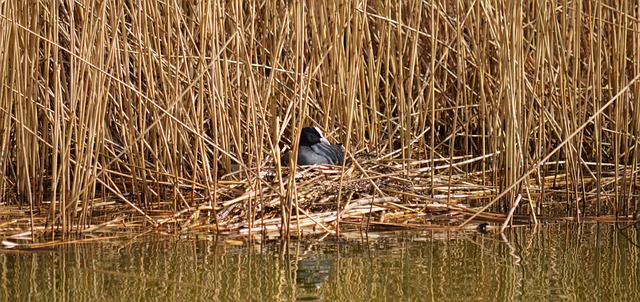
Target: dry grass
174, 114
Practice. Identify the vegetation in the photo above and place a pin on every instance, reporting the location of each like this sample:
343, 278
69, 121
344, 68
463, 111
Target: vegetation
172, 115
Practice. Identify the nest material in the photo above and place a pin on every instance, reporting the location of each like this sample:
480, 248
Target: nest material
367, 194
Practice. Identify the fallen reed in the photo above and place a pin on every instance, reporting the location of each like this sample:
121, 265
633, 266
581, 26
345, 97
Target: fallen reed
173, 115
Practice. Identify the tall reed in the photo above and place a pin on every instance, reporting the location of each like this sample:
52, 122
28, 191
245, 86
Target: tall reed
152, 101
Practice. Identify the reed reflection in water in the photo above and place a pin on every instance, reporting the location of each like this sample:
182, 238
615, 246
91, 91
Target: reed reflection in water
558, 262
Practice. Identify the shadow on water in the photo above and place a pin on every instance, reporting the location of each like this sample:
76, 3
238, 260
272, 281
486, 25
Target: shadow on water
558, 262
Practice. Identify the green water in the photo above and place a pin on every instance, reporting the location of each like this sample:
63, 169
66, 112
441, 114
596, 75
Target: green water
558, 262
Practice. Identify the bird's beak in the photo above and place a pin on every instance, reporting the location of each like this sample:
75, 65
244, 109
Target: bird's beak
325, 141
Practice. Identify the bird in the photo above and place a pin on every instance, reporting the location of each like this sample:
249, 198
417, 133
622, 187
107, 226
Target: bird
315, 149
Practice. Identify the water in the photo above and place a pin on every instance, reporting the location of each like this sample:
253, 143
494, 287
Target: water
557, 262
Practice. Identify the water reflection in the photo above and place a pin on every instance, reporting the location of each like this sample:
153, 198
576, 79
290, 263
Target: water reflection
558, 262
312, 273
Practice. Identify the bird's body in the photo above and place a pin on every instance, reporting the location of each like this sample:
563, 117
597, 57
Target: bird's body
315, 149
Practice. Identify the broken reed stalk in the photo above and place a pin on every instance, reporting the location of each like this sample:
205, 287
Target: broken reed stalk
172, 106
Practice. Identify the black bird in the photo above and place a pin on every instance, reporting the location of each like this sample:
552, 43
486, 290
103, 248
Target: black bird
315, 149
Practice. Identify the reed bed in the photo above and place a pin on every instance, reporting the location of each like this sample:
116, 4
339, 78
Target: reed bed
172, 116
